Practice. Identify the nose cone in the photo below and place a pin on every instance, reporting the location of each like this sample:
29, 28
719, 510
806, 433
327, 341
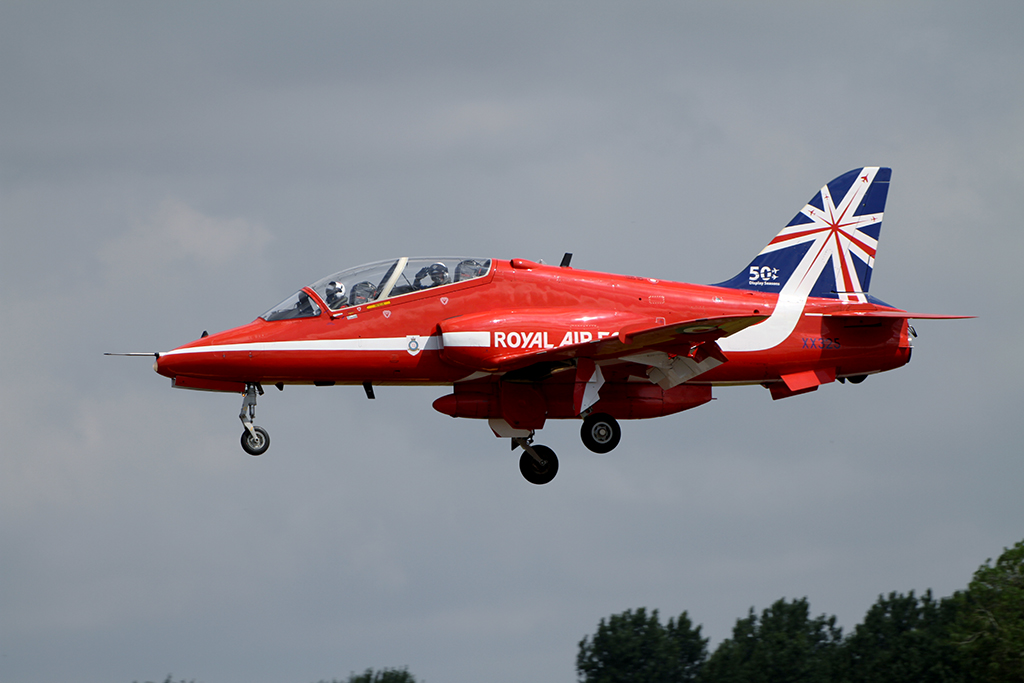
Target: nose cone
162, 368
214, 356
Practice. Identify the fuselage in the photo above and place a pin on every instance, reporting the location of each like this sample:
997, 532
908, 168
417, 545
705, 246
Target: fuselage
520, 343
519, 309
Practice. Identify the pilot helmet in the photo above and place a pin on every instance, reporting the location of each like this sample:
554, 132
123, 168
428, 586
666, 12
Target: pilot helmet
438, 273
362, 292
335, 290
469, 269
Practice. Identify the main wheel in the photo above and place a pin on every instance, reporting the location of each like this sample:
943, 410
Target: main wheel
257, 446
600, 432
533, 471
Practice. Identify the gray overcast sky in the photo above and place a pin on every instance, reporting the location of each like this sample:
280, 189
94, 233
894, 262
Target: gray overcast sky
167, 168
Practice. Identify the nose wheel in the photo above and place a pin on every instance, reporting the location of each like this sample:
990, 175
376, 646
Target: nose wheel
255, 440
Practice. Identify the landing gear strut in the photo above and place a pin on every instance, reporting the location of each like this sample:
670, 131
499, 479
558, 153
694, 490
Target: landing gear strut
255, 440
539, 464
600, 432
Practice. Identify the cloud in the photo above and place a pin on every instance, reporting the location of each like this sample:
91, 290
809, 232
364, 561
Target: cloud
177, 234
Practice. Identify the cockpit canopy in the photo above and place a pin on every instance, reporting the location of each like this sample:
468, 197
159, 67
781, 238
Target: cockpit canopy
377, 281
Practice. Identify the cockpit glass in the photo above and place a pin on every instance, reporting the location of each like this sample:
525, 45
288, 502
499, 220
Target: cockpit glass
387, 279
298, 305
380, 280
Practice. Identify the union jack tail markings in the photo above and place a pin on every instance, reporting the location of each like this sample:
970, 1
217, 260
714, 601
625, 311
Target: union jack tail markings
839, 227
827, 250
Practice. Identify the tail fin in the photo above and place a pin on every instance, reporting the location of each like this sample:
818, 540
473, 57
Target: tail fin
840, 226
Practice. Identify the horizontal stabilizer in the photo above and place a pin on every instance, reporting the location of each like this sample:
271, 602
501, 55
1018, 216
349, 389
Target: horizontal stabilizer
889, 313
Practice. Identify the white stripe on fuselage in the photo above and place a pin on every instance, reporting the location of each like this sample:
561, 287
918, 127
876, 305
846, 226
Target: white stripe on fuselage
474, 339
425, 343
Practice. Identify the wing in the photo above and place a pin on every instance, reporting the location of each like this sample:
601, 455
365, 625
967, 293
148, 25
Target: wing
675, 351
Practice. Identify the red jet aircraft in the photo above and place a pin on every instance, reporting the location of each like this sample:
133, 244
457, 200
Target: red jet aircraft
521, 343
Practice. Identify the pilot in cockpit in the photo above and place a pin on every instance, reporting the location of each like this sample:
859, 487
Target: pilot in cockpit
469, 269
438, 273
336, 294
362, 292
305, 307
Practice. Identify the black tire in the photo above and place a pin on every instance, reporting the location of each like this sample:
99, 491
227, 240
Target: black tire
257, 446
857, 379
600, 432
533, 471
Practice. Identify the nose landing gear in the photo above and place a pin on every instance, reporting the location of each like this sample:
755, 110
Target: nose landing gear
255, 440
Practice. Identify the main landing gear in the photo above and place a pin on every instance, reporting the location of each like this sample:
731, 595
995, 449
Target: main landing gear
539, 464
255, 440
600, 432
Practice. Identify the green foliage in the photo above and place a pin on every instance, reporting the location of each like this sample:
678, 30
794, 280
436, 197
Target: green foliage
784, 645
975, 636
989, 630
903, 639
383, 676
633, 646
688, 649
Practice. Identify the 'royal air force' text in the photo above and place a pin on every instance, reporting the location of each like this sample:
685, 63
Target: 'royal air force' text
541, 340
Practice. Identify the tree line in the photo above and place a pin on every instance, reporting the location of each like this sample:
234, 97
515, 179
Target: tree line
386, 675
974, 636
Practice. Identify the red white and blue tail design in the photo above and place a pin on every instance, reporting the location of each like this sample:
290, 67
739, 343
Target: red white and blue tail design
828, 249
